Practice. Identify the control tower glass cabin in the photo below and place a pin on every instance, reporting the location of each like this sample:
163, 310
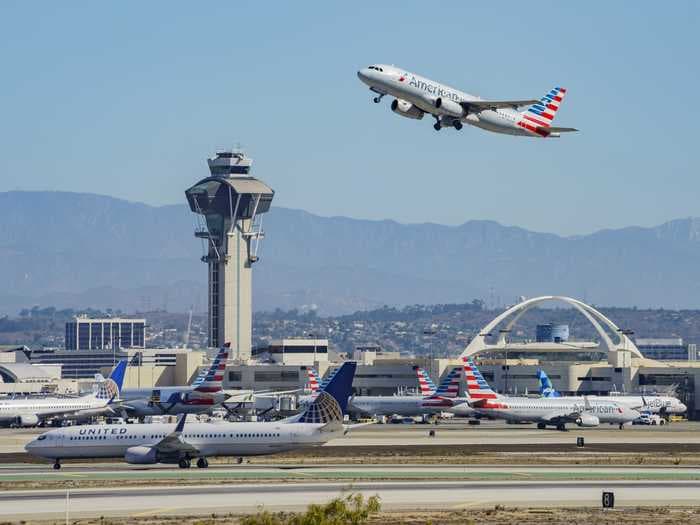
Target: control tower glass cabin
229, 205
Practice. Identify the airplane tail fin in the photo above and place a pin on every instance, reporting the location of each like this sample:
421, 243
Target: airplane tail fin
313, 384
449, 386
546, 387
112, 386
331, 404
426, 385
477, 387
213, 381
542, 114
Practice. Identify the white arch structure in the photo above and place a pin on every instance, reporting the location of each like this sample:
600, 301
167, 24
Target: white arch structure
478, 344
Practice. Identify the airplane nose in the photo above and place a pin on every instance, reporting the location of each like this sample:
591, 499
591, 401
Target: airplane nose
362, 74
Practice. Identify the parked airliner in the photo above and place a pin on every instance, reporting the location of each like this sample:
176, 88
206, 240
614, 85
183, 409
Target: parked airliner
401, 405
181, 443
653, 403
417, 95
31, 411
543, 411
205, 392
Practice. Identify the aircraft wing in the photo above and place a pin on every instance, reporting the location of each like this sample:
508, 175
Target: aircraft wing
560, 416
173, 443
482, 105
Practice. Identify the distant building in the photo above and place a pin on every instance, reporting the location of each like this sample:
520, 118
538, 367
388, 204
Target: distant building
668, 349
84, 333
552, 333
295, 351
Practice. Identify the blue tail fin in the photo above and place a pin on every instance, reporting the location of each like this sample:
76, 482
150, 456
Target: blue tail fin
112, 386
332, 401
546, 387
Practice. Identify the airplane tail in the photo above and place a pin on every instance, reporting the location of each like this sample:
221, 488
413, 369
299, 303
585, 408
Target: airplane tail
112, 386
538, 117
477, 387
426, 385
213, 381
313, 384
331, 404
546, 387
449, 386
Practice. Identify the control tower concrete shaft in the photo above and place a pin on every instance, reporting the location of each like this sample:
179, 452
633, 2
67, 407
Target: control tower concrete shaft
229, 205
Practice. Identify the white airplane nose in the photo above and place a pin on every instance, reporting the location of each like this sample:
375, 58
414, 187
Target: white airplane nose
362, 74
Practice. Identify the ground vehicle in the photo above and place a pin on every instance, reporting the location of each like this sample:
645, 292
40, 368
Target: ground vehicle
647, 418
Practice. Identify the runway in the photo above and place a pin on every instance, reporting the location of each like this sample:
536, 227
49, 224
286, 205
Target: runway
239, 498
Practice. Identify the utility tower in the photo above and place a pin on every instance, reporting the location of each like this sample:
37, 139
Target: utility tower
229, 205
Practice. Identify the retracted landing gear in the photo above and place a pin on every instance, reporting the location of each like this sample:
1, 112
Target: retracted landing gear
57, 464
184, 463
202, 463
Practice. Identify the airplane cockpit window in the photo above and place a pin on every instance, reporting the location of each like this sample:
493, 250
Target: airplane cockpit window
41, 438
376, 68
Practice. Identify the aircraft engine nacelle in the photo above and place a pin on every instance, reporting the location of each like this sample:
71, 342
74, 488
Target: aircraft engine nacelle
406, 109
449, 107
587, 420
141, 455
30, 420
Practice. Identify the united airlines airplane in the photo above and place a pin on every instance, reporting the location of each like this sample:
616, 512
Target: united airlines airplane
415, 96
29, 412
181, 443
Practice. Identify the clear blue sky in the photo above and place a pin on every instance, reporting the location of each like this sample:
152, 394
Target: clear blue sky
128, 99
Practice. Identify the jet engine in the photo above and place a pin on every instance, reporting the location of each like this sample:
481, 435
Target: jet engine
406, 109
29, 420
587, 420
450, 107
141, 455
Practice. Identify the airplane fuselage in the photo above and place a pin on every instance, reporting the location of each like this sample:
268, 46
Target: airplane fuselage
398, 405
210, 439
423, 92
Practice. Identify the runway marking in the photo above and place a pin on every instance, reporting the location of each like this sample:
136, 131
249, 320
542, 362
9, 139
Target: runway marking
475, 503
161, 510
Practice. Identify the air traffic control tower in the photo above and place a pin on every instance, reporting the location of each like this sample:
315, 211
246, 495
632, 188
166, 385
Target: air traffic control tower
229, 205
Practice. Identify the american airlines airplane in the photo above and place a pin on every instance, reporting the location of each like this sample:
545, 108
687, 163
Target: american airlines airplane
416, 95
29, 412
181, 443
409, 406
202, 395
543, 411
656, 404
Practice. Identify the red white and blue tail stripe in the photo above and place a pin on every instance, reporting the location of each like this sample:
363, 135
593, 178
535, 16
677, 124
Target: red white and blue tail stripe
213, 380
477, 387
449, 387
542, 114
312, 383
426, 385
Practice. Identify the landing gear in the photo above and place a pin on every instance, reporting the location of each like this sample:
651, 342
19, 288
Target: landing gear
541, 426
457, 124
202, 463
622, 426
437, 126
378, 99
239, 461
57, 465
184, 463
561, 427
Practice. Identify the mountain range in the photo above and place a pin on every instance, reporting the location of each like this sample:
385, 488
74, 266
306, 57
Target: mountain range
82, 250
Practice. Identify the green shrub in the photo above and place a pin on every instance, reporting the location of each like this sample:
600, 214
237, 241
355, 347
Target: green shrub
348, 510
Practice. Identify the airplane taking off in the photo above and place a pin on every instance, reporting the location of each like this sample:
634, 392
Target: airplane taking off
181, 443
416, 96
662, 405
30, 411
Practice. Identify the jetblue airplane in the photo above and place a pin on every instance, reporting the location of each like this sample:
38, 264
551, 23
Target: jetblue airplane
543, 411
181, 443
415, 96
202, 395
29, 412
656, 404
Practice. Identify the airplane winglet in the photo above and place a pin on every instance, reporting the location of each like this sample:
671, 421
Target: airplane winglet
180, 424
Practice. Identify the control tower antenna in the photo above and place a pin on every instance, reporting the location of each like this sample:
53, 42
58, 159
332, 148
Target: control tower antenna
229, 204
